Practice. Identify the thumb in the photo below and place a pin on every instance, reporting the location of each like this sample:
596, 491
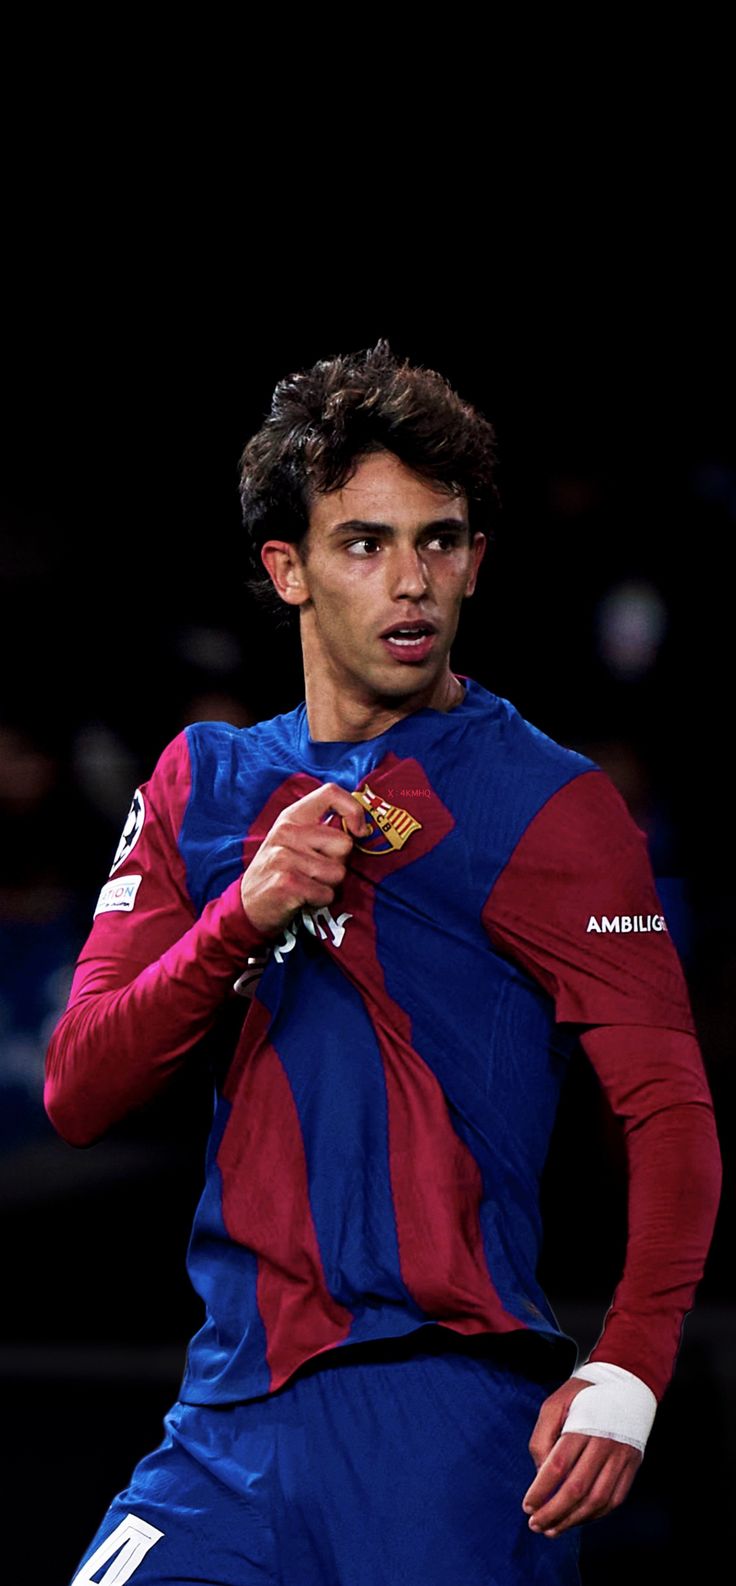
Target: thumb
552, 1417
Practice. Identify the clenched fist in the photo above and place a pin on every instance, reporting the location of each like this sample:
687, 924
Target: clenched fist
303, 860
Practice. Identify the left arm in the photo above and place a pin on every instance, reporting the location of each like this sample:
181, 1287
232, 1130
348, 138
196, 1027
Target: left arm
656, 1085
577, 907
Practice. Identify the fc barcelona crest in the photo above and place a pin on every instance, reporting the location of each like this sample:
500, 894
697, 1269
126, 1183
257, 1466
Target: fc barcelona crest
391, 826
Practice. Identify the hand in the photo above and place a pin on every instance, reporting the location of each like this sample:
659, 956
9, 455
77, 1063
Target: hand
303, 860
579, 1477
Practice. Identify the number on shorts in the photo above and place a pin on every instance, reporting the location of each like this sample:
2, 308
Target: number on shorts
129, 1542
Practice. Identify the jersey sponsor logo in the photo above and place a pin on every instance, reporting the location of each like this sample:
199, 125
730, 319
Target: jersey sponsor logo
118, 896
319, 922
131, 830
391, 825
625, 924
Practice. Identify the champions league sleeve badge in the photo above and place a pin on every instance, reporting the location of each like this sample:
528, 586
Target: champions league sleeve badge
131, 830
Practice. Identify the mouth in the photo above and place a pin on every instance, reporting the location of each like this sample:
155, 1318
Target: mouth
410, 641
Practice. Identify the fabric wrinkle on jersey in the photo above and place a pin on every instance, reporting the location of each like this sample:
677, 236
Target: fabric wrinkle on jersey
381, 1130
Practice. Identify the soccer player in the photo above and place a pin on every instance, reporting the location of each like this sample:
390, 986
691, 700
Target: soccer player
410, 904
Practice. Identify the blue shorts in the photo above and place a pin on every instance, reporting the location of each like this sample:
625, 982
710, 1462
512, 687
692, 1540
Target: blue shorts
399, 1463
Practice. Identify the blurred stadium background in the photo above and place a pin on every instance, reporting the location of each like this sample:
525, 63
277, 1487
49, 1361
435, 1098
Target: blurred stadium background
605, 613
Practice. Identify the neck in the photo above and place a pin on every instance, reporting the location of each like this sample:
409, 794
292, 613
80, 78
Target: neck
342, 711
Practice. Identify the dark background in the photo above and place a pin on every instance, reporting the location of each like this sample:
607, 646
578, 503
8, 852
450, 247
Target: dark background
140, 349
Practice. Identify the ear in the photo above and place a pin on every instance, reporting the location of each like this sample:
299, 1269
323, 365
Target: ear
286, 570
477, 552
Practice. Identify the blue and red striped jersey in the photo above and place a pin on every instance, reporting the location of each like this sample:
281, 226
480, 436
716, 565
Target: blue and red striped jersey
381, 1129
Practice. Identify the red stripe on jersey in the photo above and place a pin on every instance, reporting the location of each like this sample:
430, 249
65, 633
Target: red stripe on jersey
572, 907
265, 1205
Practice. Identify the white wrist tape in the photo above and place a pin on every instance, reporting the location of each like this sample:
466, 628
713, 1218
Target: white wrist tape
619, 1405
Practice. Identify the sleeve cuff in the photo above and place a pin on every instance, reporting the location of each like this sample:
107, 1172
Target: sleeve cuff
230, 921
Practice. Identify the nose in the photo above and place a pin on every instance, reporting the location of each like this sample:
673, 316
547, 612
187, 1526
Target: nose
409, 573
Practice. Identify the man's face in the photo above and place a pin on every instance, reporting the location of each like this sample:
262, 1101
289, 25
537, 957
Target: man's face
386, 564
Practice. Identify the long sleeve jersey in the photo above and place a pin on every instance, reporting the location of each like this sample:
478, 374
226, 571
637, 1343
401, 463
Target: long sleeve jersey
384, 1116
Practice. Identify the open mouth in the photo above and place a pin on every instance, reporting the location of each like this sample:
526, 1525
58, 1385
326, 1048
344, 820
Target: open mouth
410, 640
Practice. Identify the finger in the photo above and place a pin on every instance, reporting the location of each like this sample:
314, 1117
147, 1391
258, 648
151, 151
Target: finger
624, 1482
318, 896
329, 840
330, 797
572, 1450
585, 1492
310, 866
578, 1486
305, 889
554, 1469
594, 1487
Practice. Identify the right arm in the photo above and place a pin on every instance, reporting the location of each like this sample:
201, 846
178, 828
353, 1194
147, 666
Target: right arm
151, 976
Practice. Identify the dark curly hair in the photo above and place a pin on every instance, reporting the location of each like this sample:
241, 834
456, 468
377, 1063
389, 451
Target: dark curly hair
324, 420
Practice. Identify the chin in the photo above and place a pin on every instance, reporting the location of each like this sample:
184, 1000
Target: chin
405, 681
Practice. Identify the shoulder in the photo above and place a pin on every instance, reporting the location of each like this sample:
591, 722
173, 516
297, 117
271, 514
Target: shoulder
527, 761
217, 747
205, 757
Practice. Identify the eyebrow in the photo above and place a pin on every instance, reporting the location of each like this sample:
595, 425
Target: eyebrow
365, 526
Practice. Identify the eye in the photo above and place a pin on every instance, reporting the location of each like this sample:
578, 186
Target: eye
365, 547
446, 540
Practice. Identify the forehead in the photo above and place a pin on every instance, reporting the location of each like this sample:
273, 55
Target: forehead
384, 490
